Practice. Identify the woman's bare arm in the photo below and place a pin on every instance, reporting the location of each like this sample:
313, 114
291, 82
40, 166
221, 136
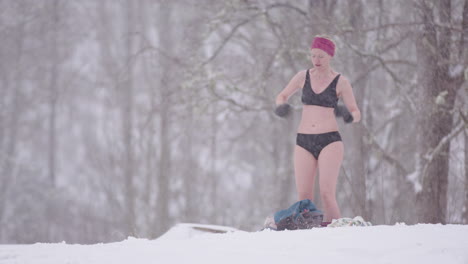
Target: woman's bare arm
293, 86
346, 92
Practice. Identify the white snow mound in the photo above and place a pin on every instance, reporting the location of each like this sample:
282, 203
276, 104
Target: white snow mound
399, 244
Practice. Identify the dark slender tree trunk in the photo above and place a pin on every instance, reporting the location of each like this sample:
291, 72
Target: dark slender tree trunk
190, 175
52, 130
359, 158
126, 91
53, 93
463, 53
465, 212
435, 117
215, 213
164, 171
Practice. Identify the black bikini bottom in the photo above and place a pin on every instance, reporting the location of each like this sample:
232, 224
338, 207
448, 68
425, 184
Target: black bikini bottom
314, 143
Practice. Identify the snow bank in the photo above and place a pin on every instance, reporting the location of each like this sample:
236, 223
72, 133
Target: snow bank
376, 244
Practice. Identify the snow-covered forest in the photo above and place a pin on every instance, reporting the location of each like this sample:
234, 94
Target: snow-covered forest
123, 118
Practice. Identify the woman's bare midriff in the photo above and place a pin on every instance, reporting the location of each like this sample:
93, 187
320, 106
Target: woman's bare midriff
317, 119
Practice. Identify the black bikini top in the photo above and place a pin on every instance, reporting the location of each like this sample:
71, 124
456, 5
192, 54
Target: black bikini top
327, 98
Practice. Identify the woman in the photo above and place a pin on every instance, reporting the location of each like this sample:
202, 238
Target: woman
318, 142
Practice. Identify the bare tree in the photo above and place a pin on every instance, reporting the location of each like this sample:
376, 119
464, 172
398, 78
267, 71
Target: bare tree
436, 104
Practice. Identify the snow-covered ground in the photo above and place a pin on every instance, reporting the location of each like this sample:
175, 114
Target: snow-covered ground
184, 244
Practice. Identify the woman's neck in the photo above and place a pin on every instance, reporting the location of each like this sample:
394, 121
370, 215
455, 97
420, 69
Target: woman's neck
323, 71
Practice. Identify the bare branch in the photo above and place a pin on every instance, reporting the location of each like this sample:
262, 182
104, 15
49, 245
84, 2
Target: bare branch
386, 156
384, 64
288, 6
461, 126
399, 25
246, 21
226, 39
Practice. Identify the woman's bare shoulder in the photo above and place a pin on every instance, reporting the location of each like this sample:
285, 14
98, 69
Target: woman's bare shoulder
343, 80
300, 76
342, 84
342, 77
302, 73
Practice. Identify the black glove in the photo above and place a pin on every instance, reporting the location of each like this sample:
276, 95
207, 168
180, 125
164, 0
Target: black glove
283, 110
341, 111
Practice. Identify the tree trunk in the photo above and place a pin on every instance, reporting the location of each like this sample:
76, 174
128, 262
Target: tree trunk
8, 154
164, 173
127, 123
463, 52
359, 158
435, 119
190, 190
215, 213
50, 211
53, 93
465, 209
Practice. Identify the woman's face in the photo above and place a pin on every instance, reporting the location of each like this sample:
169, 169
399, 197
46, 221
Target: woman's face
319, 58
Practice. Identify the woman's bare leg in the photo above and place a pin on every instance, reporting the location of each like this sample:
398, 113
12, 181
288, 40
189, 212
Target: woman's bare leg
329, 163
305, 169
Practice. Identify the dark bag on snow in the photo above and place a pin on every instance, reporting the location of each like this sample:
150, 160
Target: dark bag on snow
300, 215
